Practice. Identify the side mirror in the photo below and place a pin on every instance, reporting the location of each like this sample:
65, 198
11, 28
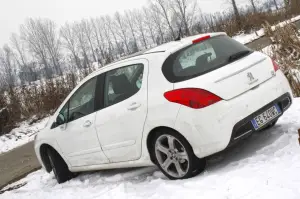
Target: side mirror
60, 119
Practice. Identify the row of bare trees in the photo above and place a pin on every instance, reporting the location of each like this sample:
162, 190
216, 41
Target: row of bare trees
43, 50
44, 54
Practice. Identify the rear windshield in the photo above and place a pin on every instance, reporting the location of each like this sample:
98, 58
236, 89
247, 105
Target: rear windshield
201, 58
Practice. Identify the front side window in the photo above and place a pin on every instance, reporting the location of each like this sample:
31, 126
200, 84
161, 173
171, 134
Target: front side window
203, 57
82, 101
122, 83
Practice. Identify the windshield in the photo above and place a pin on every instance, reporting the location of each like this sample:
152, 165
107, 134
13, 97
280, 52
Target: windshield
203, 57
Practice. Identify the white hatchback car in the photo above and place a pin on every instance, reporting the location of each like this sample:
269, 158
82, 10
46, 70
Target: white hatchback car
170, 106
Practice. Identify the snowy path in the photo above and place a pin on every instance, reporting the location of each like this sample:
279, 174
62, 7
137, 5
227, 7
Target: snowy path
267, 165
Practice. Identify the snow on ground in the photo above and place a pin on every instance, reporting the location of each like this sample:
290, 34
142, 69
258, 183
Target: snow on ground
266, 165
247, 38
21, 135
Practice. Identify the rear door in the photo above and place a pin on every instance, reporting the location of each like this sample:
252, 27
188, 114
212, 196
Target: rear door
220, 65
120, 123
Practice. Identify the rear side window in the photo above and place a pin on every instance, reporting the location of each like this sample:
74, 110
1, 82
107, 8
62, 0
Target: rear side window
122, 83
201, 58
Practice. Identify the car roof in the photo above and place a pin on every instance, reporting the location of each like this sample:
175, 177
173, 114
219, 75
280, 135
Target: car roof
169, 47
174, 45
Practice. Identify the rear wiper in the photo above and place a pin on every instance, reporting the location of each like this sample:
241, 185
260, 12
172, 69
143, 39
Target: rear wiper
239, 55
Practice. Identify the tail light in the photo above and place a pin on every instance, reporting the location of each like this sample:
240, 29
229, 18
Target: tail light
275, 65
192, 97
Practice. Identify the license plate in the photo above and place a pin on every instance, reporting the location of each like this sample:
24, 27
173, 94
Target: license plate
265, 117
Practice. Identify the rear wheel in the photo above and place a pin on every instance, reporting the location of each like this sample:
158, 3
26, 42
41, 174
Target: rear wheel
59, 167
174, 156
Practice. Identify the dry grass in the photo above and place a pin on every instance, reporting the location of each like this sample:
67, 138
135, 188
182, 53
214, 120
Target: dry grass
286, 51
37, 100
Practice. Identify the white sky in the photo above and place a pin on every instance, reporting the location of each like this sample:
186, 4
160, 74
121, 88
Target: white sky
14, 12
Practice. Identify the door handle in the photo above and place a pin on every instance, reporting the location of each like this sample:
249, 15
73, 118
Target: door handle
87, 123
134, 106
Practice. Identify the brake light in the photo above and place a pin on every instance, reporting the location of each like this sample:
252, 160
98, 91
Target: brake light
201, 39
192, 97
275, 65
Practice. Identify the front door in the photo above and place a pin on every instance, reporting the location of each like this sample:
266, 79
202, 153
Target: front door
78, 138
120, 123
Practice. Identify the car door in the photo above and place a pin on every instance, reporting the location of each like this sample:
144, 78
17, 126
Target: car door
77, 137
120, 123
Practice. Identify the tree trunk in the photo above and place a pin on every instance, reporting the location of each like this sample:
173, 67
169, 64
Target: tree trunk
237, 14
253, 6
276, 5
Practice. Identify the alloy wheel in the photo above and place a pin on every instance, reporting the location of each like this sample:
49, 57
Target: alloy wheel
172, 156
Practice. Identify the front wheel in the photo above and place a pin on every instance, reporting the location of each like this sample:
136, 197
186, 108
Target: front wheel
175, 157
59, 167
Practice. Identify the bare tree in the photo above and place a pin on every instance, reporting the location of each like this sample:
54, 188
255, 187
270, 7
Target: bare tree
26, 73
236, 13
97, 31
49, 38
158, 23
162, 6
30, 34
253, 6
70, 42
139, 22
185, 9
130, 21
111, 25
121, 29
87, 30
106, 31
83, 44
16, 44
276, 4
6, 61
150, 24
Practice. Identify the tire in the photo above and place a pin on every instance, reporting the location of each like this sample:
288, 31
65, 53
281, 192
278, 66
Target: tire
59, 167
199, 167
174, 156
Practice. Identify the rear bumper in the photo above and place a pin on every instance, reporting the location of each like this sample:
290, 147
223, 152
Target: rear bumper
244, 128
214, 128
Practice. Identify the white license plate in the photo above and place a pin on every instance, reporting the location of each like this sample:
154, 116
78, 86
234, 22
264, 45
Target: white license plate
265, 117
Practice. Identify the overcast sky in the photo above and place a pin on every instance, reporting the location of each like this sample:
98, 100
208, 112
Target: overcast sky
14, 12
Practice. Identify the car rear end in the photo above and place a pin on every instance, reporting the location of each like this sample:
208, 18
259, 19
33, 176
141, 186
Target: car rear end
226, 92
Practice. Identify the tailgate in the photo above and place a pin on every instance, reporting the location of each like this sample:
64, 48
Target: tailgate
235, 78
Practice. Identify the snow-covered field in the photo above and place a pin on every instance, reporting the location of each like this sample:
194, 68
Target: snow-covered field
266, 165
20, 136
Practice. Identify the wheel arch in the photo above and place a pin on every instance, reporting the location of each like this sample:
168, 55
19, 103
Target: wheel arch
152, 134
44, 156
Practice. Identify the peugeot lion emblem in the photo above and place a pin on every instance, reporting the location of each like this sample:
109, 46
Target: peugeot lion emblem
251, 78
